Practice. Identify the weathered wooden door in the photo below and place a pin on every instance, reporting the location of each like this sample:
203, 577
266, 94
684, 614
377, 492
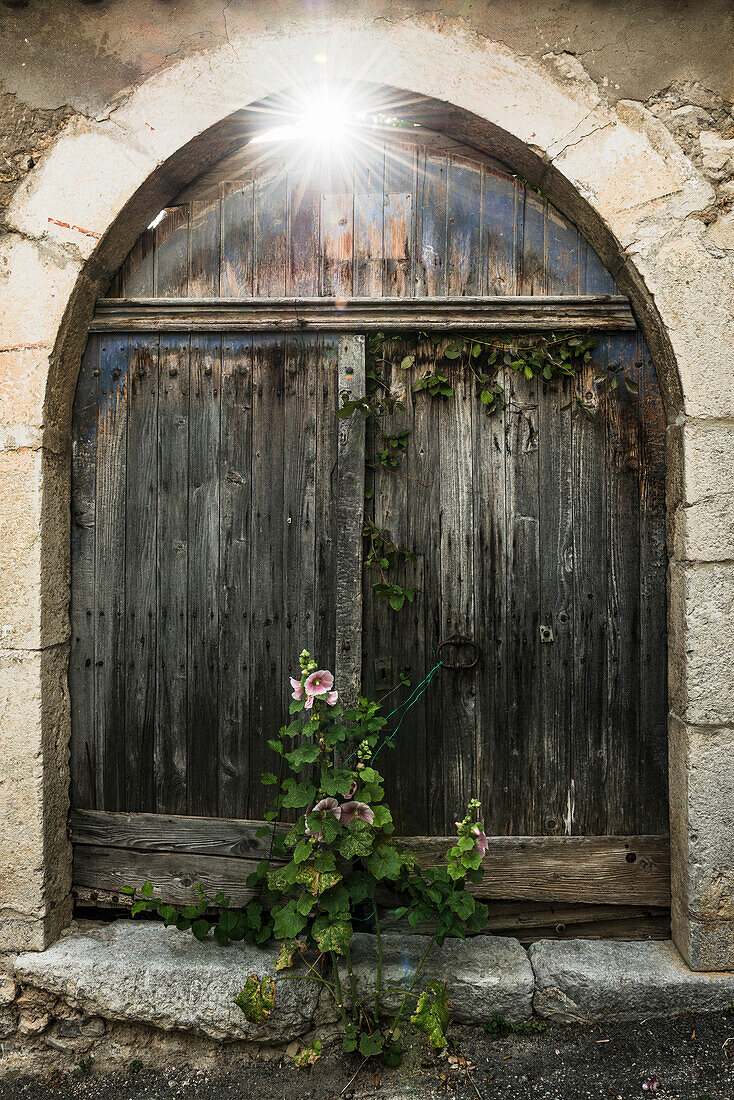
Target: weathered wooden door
218, 500
540, 539
213, 496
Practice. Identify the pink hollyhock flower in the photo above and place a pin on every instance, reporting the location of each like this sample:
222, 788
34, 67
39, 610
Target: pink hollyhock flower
319, 683
482, 844
332, 697
352, 789
356, 810
326, 804
309, 702
297, 689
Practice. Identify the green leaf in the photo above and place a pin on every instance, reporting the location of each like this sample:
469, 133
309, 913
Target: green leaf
287, 954
335, 901
315, 881
385, 862
276, 746
360, 885
356, 843
332, 935
268, 779
147, 889
392, 1055
370, 1045
257, 999
305, 903
138, 907
288, 922
308, 1054
303, 850
432, 1014
304, 754
351, 1038
200, 928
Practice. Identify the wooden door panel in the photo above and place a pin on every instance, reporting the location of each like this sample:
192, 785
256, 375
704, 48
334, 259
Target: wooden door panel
538, 534
217, 514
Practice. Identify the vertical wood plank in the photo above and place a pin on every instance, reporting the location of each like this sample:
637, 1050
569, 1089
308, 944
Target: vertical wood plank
204, 249
464, 232
203, 582
525, 778
171, 267
426, 811
458, 694
555, 471
589, 712
236, 250
304, 235
136, 276
494, 749
349, 521
84, 782
266, 576
398, 223
651, 800
623, 593
327, 433
302, 363
171, 742
501, 205
430, 255
337, 229
235, 622
369, 201
271, 232
109, 656
141, 572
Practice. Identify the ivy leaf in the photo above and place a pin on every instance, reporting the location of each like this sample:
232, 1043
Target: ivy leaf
257, 999
432, 1014
332, 935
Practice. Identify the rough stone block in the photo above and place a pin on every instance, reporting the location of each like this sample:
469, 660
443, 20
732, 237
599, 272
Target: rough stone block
156, 975
705, 945
34, 534
596, 980
701, 642
717, 155
484, 975
8, 990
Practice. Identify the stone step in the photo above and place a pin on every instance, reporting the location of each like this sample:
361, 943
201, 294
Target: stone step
593, 980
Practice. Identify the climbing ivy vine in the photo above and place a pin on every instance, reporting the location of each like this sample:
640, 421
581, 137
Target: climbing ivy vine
545, 357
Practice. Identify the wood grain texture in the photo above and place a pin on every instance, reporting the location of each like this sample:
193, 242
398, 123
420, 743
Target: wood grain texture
527, 313
403, 220
621, 870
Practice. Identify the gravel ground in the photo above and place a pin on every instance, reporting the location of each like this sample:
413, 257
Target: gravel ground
692, 1058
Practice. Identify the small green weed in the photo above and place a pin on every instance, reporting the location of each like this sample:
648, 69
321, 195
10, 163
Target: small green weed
83, 1067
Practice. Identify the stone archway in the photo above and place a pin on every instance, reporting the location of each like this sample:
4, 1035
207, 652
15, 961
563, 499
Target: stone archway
632, 192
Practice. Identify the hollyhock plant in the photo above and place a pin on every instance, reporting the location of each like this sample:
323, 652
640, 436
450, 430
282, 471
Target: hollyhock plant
326, 869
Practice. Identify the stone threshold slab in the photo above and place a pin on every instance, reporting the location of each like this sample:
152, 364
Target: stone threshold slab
144, 972
594, 980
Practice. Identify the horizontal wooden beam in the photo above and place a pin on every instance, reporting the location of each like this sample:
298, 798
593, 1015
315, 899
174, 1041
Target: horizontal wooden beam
606, 313
113, 850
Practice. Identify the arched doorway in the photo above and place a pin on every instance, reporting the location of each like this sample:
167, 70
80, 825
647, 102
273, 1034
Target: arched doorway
207, 550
